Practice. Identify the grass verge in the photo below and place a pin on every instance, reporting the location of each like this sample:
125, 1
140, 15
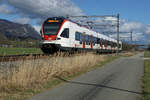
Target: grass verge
147, 54
17, 51
146, 78
27, 78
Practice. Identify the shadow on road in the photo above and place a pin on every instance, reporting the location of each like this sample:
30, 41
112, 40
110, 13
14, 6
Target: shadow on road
99, 85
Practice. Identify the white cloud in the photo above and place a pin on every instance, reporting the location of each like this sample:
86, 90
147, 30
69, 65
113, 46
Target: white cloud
129, 26
46, 8
23, 20
148, 29
5, 9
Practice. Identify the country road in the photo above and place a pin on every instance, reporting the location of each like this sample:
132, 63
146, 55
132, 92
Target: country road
118, 80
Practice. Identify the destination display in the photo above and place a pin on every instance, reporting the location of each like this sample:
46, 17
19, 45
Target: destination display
53, 21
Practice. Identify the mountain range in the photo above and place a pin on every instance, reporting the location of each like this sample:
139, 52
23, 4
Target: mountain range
12, 31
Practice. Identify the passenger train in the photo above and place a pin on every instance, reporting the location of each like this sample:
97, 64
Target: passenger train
62, 34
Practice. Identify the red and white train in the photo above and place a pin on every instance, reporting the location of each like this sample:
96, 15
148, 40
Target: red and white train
61, 34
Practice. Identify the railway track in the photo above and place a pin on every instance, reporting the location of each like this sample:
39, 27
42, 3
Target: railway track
22, 57
31, 56
37, 56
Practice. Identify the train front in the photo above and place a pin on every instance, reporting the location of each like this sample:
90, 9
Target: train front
49, 33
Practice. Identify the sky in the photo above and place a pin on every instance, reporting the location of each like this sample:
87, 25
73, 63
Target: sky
134, 10
134, 14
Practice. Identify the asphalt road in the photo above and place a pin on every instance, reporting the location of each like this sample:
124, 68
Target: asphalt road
118, 80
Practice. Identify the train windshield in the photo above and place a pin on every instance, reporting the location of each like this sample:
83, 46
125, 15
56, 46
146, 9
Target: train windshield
51, 28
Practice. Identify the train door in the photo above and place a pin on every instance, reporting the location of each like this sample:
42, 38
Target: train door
72, 36
91, 40
101, 43
83, 39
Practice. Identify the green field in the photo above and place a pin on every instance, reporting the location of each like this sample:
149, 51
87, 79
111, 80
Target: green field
147, 54
146, 78
17, 51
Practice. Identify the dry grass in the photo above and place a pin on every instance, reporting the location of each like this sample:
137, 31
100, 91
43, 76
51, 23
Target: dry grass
21, 75
127, 54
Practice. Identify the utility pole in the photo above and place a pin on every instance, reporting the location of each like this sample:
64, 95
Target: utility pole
118, 26
131, 36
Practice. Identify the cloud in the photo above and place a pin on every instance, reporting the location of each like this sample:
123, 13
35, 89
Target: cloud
45, 8
132, 26
148, 29
23, 20
4, 9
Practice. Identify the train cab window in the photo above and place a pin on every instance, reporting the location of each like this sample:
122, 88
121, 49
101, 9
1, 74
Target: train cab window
65, 33
77, 36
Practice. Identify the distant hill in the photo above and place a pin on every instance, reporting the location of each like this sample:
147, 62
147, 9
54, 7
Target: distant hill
12, 31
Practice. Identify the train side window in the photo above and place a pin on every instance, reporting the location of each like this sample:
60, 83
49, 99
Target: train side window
81, 37
77, 36
106, 42
86, 39
119, 45
110, 43
94, 40
115, 44
89, 40
97, 40
102, 43
65, 33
